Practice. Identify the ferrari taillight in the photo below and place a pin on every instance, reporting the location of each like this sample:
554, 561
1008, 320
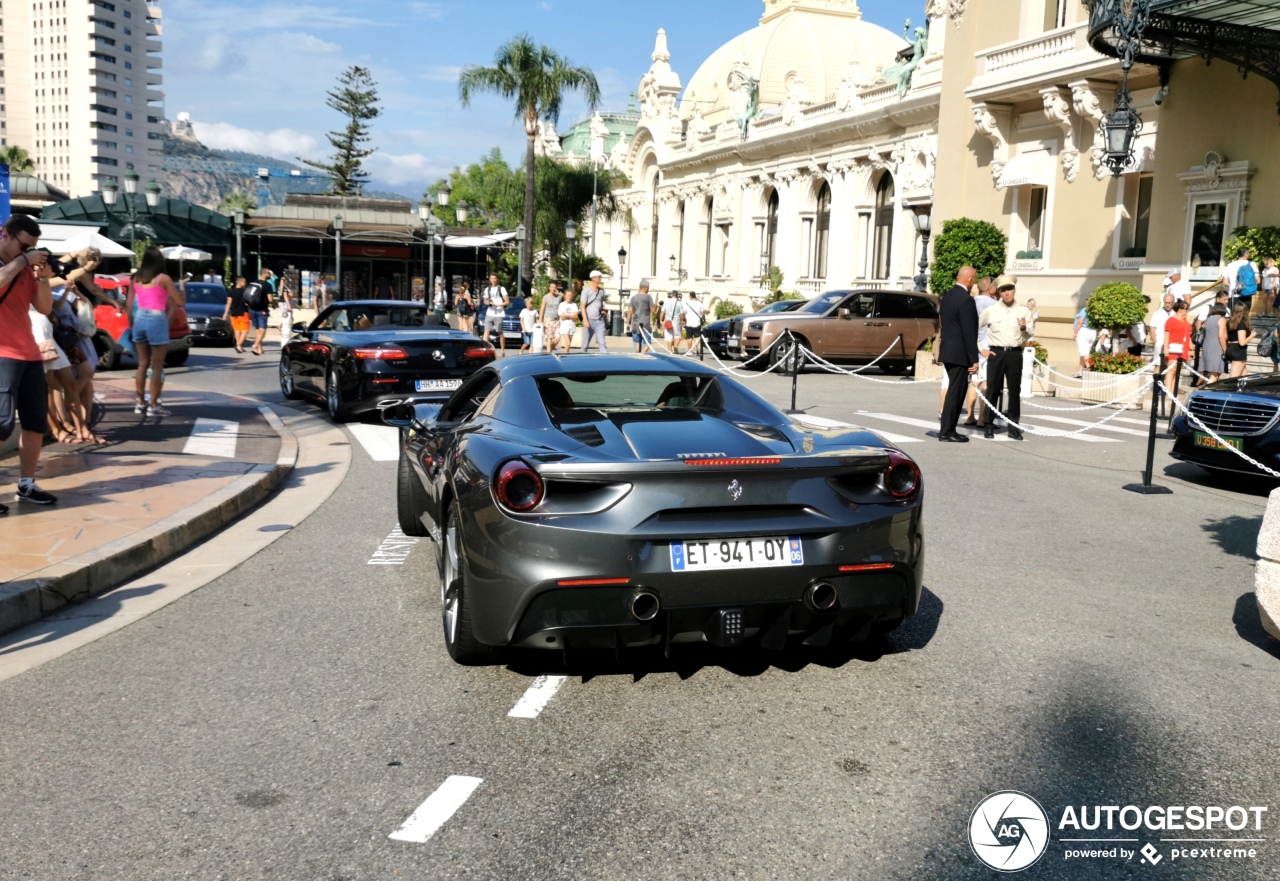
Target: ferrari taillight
902, 477
743, 460
380, 353
518, 486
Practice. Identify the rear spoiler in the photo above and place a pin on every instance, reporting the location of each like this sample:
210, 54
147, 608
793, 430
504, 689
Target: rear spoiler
821, 464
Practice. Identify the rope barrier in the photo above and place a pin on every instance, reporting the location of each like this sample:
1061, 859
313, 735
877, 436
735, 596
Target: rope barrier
1092, 386
832, 368
1223, 444
1112, 402
1051, 432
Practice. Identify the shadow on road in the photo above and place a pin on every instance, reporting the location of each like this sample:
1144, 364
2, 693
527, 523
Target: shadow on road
687, 659
1249, 625
1236, 535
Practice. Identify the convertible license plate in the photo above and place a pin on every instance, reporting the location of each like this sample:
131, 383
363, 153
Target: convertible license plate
1209, 442
698, 555
432, 385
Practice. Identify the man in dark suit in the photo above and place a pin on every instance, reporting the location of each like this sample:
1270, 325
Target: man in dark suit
958, 350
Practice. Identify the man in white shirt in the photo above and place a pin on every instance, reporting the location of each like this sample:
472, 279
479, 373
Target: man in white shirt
693, 320
1179, 287
496, 299
1158, 318
982, 298
1231, 276
1009, 325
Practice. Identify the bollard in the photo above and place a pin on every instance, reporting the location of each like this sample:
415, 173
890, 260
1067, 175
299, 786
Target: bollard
1167, 434
906, 370
795, 370
702, 346
1028, 371
1147, 488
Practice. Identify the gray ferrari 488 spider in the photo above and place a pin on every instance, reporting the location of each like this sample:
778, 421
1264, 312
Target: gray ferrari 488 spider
616, 501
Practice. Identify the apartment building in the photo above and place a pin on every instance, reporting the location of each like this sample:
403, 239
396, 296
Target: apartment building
80, 88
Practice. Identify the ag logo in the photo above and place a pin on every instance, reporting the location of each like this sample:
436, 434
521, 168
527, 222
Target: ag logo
1008, 831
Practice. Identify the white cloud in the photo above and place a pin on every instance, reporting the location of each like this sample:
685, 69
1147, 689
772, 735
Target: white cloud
283, 143
272, 16
405, 169
427, 10
444, 74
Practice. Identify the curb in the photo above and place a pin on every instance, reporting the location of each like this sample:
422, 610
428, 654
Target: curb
1266, 579
93, 572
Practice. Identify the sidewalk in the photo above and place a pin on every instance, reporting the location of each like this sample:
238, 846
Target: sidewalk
155, 489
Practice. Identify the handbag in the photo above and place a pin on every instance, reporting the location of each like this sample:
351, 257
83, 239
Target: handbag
1267, 345
66, 337
86, 323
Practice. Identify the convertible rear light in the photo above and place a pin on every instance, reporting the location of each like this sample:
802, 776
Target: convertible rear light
746, 460
380, 353
475, 352
518, 486
590, 582
866, 567
902, 477
384, 381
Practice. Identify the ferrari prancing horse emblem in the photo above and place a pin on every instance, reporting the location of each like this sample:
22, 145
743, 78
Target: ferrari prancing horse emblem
735, 490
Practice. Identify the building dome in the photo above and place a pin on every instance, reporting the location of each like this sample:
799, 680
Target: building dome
801, 47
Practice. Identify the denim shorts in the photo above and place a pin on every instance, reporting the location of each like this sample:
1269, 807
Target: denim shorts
258, 319
151, 326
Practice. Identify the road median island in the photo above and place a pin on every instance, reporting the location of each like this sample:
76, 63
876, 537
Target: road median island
128, 507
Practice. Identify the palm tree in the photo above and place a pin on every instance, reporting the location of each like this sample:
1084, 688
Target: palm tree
237, 199
537, 78
16, 158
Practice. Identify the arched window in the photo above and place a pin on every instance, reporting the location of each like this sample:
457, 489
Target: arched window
821, 232
771, 232
653, 229
706, 231
882, 248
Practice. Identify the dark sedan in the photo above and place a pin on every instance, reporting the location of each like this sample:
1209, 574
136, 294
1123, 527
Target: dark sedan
1244, 413
359, 355
719, 338
615, 501
205, 305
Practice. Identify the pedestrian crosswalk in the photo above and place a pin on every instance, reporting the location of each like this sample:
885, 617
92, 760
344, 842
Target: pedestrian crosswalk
381, 442
1045, 425
212, 437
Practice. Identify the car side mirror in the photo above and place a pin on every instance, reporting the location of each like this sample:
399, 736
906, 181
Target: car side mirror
407, 414
844, 314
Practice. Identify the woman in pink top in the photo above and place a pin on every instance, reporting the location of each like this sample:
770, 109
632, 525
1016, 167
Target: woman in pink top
149, 325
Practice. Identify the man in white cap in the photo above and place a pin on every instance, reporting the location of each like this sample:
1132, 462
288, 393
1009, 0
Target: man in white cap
593, 313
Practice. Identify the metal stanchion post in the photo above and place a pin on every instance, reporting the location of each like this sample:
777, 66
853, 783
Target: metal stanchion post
1167, 434
902, 343
1147, 488
795, 370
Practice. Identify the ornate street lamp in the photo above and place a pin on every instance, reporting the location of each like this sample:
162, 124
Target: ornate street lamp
681, 274
153, 195
110, 192
571, 234
239, 221
461, 212
622, 273
520, 237
1120, 128
338, 224
923, 226
443, 192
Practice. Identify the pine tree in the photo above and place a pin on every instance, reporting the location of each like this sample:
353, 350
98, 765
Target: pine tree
356, 98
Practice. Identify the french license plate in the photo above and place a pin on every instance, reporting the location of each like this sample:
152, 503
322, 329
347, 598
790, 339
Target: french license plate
435, 385
1209, 442
733, 341
697, 555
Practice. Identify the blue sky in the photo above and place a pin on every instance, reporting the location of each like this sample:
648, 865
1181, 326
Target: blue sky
253, 75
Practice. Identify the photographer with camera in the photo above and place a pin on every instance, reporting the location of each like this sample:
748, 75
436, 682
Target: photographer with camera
24, 282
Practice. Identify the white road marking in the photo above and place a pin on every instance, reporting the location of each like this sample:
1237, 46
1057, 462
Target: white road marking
381, 442
1145, 422
437, 809
1079, 423
213, 437
822, 422
932, 426
394, 550
537, 697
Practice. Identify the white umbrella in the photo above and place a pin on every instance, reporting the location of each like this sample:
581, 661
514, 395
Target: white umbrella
182, 252
82, 240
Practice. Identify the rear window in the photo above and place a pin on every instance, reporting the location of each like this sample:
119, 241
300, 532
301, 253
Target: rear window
634, 391
208, 294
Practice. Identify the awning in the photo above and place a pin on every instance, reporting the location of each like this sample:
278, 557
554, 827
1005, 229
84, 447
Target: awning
478, 241
1027, 169
62, 239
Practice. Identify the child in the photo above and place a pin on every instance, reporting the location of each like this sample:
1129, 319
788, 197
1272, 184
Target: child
527, 319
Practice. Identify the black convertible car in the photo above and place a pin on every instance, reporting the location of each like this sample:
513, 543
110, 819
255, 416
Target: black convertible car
360, 355
613, 501
1244, 412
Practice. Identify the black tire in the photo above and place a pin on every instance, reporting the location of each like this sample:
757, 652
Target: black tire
177, 359
455, 600
411, 498
893, 368
338, 410
110, 359
287, 387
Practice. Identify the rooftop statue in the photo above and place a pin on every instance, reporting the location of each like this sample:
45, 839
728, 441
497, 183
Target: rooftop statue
902, 72
751, 110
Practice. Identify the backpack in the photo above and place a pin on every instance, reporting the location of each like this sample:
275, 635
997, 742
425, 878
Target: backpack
1267, 345
1246, 281
255, 296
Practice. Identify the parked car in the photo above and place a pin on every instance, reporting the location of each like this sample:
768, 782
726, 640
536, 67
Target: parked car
358, 355
720, 340
206, 302
635, 500
1244, 412
112, 323
849, 326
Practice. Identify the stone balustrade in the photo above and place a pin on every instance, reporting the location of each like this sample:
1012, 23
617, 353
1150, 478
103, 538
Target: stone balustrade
1044, 49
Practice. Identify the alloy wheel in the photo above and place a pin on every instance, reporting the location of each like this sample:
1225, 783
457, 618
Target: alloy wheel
449, 585
286, 378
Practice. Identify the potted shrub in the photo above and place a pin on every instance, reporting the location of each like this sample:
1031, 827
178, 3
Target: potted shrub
966, 242
926, 369
1111, 375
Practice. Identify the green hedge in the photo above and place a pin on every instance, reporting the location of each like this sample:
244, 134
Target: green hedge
727, 309
967, 242
1262, 242
1116, 304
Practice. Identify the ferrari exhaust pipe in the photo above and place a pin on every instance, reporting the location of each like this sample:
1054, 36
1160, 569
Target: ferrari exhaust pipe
820, 596
644, 605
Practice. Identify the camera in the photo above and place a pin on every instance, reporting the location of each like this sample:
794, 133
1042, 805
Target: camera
60, 267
